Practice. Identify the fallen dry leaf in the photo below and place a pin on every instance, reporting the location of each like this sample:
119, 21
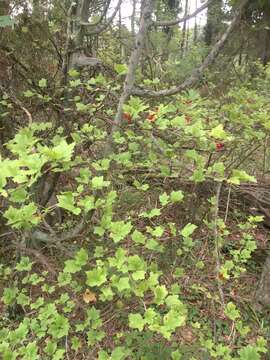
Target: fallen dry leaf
89, 297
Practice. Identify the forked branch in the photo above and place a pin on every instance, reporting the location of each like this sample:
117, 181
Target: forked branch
197, 73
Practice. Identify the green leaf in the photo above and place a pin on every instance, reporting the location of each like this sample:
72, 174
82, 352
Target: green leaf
249, 353
25, 264
152, 213
99, 183
239, 176
138, 275
88, 203
176, 196
59, 354
119, 353
30, 351
59, 328
157, 232
119, 230
174, 319
121, 69
219, 133
188, 230
176, 355
138, 237
94, 336
75, 343
74, 265
42, 83
136, 263
24, 217
73, 73
9, 295
66, 201
81, 257
136, 321
122, 284
28, 93
164, 199
160, 293
96, 277
231, 311
59, 153
50, 347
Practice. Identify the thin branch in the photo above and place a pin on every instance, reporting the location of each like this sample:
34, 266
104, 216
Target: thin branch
41, 258
17, 102
102, 27
183, 19
102, 15
217, 243
197, 73
228, 204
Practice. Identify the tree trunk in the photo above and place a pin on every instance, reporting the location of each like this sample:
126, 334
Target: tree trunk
265, 37
133, 16
4, 7
182, 45
214, 21
195, 37
262, 297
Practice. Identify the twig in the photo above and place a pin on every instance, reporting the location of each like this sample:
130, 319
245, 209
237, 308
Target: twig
66, 344
227, 206
217, 244
183, 19
17, 102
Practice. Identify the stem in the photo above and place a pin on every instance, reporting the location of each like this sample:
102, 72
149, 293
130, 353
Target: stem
217, 243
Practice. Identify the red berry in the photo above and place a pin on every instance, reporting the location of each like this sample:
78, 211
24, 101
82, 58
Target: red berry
219, 146
127, 117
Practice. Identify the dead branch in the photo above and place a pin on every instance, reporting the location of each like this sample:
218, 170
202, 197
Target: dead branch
183, 19
99, 28
197, 73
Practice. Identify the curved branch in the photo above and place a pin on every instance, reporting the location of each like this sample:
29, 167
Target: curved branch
102, 15
197, 73
185, 18
42, 236
102, 27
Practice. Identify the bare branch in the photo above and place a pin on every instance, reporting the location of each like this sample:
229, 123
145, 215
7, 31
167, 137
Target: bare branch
147, 9
41, 236
102, 27
183, 19
102, 15
197, 73
17, 102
